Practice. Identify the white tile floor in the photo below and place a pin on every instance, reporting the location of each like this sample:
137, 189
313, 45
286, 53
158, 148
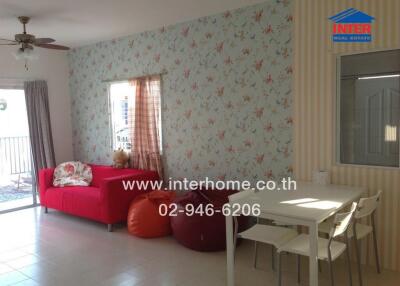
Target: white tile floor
57, 249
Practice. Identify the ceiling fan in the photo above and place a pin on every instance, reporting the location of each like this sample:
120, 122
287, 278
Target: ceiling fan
27, 41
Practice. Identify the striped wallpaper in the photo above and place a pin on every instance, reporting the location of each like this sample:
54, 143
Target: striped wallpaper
314, 107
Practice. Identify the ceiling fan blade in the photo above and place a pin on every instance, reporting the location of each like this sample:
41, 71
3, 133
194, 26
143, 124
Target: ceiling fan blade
51, 46
9, 44
43, 41
7, 40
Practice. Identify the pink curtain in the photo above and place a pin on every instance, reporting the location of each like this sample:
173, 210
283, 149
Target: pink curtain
145, 127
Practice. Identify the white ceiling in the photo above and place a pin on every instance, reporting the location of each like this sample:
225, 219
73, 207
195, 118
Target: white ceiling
81, 22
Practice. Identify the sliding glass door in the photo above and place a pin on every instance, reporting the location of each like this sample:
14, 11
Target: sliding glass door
17, 185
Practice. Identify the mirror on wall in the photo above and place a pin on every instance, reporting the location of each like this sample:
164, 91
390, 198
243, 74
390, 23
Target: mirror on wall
369, 108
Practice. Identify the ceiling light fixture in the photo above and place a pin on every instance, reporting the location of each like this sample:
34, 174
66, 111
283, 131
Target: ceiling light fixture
27, 42
26, 54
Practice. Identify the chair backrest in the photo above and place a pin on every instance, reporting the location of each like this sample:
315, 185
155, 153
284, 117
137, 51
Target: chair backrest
366, 206
342, 221
240, 195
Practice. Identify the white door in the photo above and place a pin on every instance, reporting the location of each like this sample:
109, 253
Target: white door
377, 121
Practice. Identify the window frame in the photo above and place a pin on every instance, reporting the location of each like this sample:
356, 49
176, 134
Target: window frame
110, 116
109, 104
336, 113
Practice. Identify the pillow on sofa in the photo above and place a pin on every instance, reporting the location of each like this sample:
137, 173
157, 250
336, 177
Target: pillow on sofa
72, 174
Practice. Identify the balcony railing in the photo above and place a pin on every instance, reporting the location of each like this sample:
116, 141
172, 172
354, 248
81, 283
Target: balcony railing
15, 155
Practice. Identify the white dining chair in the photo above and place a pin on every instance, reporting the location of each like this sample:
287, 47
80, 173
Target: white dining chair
366, 208
328, 249
261, 233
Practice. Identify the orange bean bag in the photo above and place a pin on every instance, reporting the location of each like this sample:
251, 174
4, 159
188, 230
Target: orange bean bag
144, 219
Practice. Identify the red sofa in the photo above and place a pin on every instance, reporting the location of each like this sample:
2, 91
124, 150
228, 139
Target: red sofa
105, 200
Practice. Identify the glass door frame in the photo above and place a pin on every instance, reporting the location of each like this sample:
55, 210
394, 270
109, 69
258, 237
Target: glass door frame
17, 84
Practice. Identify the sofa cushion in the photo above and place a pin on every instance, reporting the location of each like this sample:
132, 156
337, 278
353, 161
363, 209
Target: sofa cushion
81, 201
72, 174
101, 172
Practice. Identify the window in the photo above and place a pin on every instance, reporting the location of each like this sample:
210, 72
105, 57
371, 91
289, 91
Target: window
122, 99
122, 105
369, 108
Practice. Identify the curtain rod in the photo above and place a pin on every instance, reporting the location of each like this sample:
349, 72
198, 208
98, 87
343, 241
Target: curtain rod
14, 83
18, 78
133, 77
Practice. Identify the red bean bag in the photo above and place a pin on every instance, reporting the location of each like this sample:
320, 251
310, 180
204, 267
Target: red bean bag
144, 219
202, 232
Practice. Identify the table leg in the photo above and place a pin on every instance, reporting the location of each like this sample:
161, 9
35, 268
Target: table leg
230, 278
313, 229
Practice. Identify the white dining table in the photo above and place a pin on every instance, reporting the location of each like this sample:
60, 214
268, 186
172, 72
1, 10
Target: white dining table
308, 205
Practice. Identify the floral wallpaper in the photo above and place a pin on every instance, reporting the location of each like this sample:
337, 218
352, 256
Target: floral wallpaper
226, 96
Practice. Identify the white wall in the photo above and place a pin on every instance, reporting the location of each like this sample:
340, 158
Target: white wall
51, 66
